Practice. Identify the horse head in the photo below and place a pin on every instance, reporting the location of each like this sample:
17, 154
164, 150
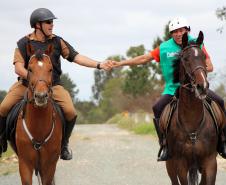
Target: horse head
40, 75
192, 69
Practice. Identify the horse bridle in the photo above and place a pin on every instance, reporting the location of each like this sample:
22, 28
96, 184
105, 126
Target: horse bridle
191, 84
32, 86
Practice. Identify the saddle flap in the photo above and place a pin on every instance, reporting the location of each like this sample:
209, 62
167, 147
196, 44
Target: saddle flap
218, 113
167, 114
12, 118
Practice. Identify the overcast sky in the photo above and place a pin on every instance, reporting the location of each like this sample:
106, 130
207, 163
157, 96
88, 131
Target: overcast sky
100, 28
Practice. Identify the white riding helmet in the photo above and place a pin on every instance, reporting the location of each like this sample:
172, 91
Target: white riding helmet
177, 23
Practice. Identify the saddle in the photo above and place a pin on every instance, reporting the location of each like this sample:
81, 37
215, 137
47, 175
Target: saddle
212, 107
166, 115
15, 112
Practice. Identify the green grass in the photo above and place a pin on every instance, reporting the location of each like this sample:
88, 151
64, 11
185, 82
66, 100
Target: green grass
115, 119
145, 128
7, 163
8, 153
126, 121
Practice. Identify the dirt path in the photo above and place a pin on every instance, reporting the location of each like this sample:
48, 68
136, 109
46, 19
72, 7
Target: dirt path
107, 155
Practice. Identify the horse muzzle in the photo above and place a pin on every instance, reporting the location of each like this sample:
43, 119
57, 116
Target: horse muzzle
201, 90
41, 98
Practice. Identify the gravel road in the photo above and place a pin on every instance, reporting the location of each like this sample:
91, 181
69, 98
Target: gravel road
107, 155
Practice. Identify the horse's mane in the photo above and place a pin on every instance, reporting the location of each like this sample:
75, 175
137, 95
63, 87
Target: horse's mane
176, 69
39, 54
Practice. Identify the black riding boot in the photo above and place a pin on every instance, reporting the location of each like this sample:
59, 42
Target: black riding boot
163, 152
65, 153
3, 140
222, 143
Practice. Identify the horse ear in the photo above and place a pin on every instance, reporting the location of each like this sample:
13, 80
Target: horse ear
200, 38
30, 50
49, 50
185, 40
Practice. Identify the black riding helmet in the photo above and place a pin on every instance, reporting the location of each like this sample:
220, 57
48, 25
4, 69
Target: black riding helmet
41, 14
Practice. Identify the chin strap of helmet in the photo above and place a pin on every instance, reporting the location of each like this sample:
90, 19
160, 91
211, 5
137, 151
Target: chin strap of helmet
41, 29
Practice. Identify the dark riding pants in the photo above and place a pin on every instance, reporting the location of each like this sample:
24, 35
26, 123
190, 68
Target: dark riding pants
160, 104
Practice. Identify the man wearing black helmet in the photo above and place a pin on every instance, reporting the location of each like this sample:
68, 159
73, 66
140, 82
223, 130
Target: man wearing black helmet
42, 21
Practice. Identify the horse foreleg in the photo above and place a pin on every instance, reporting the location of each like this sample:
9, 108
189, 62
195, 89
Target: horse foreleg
25, 172
48, 176
209, 171
182, 171
172, 172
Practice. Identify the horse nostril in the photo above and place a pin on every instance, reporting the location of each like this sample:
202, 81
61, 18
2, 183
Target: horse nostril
41, 95
46, 95
200, 87
36, 95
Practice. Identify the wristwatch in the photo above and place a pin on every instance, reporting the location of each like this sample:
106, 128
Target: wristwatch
98, 66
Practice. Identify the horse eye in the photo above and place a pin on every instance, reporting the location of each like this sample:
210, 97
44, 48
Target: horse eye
50, 70
30, 70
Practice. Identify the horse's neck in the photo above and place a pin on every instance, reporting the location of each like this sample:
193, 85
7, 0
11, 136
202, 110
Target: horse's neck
190, 108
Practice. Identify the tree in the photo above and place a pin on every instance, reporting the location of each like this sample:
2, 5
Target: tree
220, 90
143, 79
2, 95
155, 66
137, 77
101, 77
70, 86
221, 14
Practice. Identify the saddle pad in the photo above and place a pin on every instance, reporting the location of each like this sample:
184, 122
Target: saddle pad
217, 112
12, 118
167, 114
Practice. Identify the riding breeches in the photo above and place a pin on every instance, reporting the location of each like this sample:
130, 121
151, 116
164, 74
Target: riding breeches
216, 98
160, 104
60, 95
14, 95
63, 98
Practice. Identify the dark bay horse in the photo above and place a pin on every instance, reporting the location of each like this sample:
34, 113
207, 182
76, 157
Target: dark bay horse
39, 129
192, 137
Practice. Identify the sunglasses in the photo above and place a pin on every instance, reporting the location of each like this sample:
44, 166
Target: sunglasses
48, 22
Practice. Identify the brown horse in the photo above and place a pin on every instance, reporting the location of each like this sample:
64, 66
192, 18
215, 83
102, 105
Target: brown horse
192, 137
39, 129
